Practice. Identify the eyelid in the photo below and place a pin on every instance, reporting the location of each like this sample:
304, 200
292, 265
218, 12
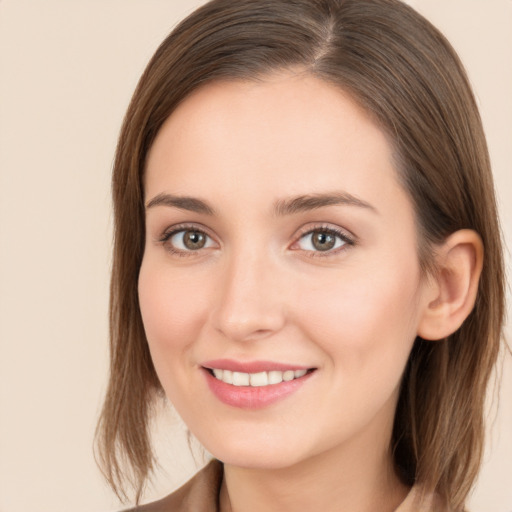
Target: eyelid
170, 231
346, 236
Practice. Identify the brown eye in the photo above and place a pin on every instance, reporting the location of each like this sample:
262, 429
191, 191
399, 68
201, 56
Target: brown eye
194, 240
186, 240
322, 240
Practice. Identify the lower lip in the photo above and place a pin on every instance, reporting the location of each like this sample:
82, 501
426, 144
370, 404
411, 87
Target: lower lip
248, 397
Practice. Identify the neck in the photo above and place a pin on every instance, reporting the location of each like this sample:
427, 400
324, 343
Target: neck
349, 479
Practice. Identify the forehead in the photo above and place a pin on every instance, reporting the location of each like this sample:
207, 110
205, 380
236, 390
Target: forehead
285, 134
294, 105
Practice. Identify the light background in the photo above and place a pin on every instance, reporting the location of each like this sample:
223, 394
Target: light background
67, 71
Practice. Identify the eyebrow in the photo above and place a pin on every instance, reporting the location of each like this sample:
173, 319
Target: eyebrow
191, 204
282, 207
309, 202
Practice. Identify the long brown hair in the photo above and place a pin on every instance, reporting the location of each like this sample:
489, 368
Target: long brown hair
403, 72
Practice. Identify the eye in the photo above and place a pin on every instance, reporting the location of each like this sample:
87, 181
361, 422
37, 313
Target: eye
322, 240
187, 240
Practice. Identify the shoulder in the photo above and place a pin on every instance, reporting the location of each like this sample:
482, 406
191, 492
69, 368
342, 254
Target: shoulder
200, 494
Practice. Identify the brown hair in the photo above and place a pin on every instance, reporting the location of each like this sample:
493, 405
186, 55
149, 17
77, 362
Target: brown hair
403, 72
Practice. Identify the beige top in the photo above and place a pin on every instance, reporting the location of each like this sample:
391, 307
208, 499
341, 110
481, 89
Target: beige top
201, 494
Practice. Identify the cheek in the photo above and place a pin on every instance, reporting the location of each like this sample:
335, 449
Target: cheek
171, 306
363, 319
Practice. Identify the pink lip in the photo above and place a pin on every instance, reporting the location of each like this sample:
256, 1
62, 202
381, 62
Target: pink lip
250, 366
248, 397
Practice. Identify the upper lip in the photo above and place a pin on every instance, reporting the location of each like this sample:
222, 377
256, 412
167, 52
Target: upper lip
251, 366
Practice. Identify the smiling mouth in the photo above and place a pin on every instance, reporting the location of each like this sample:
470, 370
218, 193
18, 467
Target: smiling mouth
260, 385
259, 379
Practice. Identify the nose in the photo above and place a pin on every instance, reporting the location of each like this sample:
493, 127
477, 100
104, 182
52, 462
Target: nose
250, 304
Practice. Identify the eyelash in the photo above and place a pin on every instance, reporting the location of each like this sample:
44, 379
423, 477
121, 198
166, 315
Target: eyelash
338, 233
167, 235
343, 236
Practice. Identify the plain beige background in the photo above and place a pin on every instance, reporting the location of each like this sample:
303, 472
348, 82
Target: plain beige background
67, 70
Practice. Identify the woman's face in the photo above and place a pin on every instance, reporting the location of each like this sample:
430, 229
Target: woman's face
280, 245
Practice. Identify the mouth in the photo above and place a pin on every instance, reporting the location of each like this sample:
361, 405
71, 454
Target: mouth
259, 379
260, 385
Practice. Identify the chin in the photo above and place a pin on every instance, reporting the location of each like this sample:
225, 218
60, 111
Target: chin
258, 459
267, 452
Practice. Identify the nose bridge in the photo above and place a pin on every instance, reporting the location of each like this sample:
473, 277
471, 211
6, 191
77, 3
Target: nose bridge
249, 306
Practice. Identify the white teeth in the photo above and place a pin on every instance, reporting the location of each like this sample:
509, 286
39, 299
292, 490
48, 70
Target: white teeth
240, 379
288, 375
259, 379
275, 377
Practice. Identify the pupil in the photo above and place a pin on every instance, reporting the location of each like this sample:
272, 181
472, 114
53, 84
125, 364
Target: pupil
323, 241
194, 240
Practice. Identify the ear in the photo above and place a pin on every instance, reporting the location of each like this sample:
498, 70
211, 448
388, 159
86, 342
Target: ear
451, 292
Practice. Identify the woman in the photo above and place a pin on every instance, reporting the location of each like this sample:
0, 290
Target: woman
307, 261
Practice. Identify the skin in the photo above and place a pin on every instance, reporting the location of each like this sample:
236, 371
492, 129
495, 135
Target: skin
258, 289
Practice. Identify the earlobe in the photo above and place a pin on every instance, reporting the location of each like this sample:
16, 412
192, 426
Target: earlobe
451, 293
